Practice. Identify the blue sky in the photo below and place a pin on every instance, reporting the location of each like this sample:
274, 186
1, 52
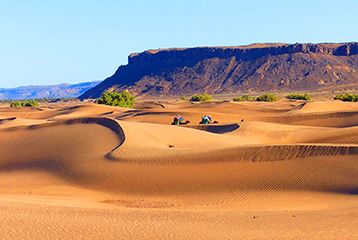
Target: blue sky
49, 42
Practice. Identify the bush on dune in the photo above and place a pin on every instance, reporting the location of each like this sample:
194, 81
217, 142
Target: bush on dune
268, 97
31, 103
201, 97
347, 97
122, 99
297, 96
25, 103
243, 98
15, 104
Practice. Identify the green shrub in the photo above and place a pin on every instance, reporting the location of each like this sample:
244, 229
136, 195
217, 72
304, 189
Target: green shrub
201, 97
25, 103
243, 98
31, 103
15, 104
298, 96
347, 97
268, 97
123, 99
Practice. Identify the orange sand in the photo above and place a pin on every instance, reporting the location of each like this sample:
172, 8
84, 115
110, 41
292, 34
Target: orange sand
86, 171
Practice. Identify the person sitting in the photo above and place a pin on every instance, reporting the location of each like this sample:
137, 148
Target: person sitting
178, 120
206, 120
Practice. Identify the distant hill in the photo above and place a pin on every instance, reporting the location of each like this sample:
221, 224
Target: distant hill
256, 67
52, 91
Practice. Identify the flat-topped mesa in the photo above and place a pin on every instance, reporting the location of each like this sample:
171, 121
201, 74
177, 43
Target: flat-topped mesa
220, 70
240, 52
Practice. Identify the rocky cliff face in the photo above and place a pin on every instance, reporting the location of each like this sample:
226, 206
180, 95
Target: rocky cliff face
258, 67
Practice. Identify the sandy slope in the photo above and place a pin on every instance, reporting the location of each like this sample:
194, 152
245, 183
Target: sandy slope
84, 171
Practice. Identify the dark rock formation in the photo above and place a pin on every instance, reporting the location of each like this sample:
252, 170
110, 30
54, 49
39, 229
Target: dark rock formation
257, 67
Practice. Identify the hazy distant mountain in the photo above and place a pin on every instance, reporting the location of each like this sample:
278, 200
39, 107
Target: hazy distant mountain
257, 67
51, 91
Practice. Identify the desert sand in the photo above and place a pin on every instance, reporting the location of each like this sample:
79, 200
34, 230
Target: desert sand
289, 170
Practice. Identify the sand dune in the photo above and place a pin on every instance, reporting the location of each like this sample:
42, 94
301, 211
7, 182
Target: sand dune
326, 106
100, 172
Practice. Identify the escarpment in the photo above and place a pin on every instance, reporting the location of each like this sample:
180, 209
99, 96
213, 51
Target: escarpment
216, 70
